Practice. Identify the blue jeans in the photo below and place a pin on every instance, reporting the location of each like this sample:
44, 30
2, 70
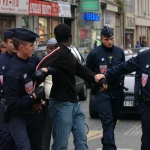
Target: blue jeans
66, 118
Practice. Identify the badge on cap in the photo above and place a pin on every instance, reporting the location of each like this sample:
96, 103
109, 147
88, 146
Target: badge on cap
147, 66
29, 87
3, 67
102, 59
103, 68
144, 79
25, 75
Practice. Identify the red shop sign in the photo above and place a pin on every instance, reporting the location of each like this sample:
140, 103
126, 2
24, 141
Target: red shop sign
42, 8
84, 33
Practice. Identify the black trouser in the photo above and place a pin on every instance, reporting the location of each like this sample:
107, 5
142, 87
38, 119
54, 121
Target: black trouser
145, 120
108, 107
6, 140
26, 131
46, 127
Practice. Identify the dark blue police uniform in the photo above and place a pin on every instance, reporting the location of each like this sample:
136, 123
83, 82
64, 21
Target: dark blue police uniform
18, 87
98, 61
141, 64
6, 140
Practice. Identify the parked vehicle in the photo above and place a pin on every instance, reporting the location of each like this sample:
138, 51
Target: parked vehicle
81, 89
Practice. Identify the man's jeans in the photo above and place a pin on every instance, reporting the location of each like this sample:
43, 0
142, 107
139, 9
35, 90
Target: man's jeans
66, 118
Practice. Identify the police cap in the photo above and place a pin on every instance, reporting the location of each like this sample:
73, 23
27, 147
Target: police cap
25, 35
107, 32
8, 34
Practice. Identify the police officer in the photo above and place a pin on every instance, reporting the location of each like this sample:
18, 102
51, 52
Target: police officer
99, 60
141, 64
24, 124
6, 140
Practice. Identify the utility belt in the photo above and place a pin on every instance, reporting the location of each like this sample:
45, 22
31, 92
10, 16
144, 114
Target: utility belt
7, 114
142, 98
115, 87
145, 99
118, 86
21, 112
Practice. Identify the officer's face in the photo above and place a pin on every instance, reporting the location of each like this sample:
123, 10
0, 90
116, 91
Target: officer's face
108, 42
10, 47
28, 49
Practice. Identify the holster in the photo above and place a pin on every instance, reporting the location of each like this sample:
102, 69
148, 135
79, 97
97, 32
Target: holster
94, 89
115, 87
145, 99
5, 116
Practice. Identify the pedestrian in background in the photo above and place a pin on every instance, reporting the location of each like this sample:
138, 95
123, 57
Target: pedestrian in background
3, 47
46, 121
99, 60
6, 140
138, 45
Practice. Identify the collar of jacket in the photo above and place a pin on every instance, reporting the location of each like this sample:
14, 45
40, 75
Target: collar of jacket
63, 47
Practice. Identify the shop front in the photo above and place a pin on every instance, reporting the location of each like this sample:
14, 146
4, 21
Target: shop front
129, 30
50, 14
109, 20
86, 32
10, 11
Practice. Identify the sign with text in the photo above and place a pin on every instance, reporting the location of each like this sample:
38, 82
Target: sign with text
89, 5
90, 17
65, 10
42, 8
14, 6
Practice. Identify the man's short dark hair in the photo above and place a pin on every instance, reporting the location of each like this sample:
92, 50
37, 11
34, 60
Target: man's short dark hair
62, 32
17, 43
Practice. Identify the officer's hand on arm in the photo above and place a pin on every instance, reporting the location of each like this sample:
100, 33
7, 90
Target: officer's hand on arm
39, 93
102, 84
101, 81
40, 74
98, 77
36, 107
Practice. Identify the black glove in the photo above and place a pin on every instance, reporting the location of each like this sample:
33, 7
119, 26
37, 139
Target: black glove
39, 75
101, 82
40, 92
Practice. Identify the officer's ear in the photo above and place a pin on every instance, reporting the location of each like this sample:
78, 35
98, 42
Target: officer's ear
21, 47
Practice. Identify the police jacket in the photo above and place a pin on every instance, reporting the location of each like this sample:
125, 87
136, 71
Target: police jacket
4, 59
67, 67
18, 83
102, 58
140, 63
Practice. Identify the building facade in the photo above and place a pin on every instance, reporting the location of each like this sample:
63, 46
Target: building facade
129, 23
142, 21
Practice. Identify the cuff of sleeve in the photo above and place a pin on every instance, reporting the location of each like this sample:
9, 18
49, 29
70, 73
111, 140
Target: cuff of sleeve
31, 97
106, 75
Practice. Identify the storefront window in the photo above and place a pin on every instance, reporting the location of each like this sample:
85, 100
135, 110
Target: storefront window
27, 22
6, 22
43, 30
55, 22
86, 39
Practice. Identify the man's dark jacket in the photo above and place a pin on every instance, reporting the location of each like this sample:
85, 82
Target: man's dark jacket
67, 67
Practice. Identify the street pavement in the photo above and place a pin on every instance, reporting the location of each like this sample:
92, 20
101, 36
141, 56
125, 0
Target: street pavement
127, 132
